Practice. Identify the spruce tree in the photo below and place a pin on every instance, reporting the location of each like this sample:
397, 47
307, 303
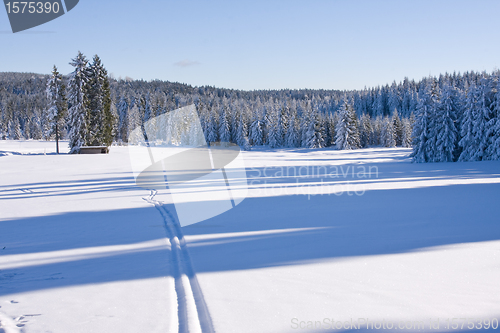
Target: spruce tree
398, 128
292, 133
272, 127
99, 117
315, 131
446, 131
467, 141
407, 130
366, 130
77, 101
347, 132
493, 150
57, 104
388, 133
224, 130
256, 133
122, 129
421, 130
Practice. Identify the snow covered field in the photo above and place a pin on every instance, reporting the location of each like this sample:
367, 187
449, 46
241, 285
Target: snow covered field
324, 237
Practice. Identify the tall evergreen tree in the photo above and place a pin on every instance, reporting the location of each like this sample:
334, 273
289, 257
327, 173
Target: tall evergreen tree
99, 116
315, 131
422, 128
446, 131
388, 133
347, 132
77, 101
366, 130
292, 133
122, 109
57, 104
493, 150
224, 130
398, 128
467, 141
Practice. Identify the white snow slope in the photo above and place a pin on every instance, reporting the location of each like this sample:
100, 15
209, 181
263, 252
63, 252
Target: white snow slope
324, 237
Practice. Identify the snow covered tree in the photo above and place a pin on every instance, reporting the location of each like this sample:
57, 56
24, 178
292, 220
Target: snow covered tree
493, 134
57, 104
331, 122
282, 127
134, 121
388, 133
365, 130
467, 141
347, 133
77, 103
446, 131
423, 132
256, 133
242, 133
224, 130
474, 124
398, 128
122, 129
315, 131
272, 127
99, 117
292, 138
212, 131
394, 99
407, 131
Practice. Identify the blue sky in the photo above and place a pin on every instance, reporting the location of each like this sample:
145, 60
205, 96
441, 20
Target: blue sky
273, 44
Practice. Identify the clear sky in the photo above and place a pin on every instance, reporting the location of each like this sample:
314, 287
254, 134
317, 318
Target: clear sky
273, 44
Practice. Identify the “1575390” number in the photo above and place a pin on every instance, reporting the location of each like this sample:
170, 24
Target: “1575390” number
32, 7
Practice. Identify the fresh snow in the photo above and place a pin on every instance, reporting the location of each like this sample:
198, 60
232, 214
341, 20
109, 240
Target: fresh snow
328, 234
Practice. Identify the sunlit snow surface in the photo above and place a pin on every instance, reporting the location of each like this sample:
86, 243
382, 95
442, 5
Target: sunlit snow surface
322, 234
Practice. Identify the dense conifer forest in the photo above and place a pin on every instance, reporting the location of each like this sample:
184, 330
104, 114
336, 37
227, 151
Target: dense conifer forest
453, 117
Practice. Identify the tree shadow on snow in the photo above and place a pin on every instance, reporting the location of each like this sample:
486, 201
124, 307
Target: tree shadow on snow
259, 232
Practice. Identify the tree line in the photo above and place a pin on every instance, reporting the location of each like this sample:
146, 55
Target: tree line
427, 115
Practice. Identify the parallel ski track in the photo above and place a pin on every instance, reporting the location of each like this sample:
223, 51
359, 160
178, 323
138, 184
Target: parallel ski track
192, 311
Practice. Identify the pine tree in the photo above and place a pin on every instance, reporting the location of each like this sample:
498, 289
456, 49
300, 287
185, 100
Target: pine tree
315, 131
493, 150
394, 100
292, 133
446, 131
366, 130
482, 119
272, 127
99, 117
122, 129
398, 128
77, 101
282, 127
347, 133
330, 130
212, 132
57, 104
388, 133
256, 133
224, 130
242, 133
134, 122
407, 130
467, 141
421, 130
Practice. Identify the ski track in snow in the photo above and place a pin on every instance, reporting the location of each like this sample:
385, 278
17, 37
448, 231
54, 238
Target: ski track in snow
192, 311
